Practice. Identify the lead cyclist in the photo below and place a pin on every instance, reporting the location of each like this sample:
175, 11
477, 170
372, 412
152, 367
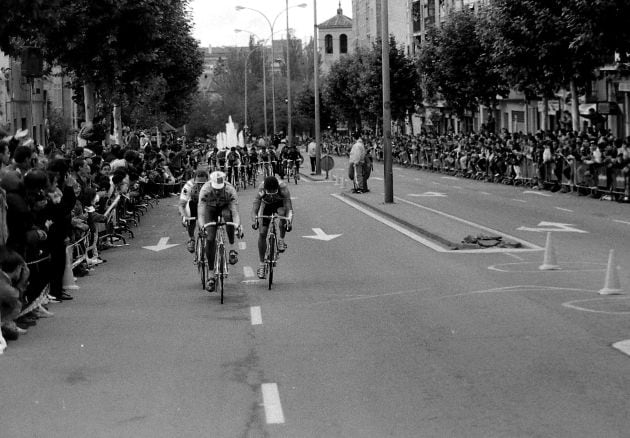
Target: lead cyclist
273, 197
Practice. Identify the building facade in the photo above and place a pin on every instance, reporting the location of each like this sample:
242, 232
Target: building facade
335, 38
366, 19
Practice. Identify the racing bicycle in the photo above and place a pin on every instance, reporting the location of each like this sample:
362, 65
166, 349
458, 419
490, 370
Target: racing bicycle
272, 253
220, 269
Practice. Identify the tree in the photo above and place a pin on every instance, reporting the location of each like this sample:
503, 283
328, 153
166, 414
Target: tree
544, 45
353, 87
455, 64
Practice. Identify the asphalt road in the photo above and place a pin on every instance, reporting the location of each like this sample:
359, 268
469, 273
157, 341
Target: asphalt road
368, 334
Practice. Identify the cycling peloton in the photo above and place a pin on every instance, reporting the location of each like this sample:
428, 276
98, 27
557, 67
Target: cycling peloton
218, 198
188, 199
273, 197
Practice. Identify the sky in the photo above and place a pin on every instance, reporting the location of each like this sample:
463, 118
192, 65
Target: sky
215, 20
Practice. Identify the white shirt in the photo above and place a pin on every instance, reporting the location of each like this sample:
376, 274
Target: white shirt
312, 149
357, 153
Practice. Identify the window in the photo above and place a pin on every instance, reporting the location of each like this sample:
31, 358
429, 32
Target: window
343, 43
328, 43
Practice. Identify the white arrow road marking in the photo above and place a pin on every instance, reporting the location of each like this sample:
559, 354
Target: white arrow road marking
555, 227
271, 402
242, 246
256, 315
320, 235
162, 244
531, 192
428, 195
623, 346
248, 271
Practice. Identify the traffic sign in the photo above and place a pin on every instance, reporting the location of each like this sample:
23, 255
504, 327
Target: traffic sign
327, 163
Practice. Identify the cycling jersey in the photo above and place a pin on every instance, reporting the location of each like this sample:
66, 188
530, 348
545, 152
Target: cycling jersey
280, 199
190, 191
211, 199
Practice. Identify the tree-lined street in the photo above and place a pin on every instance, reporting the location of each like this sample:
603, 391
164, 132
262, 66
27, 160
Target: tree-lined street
367, 334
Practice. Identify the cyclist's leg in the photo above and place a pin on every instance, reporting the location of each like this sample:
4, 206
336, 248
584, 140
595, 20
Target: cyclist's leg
282, 246
227, 217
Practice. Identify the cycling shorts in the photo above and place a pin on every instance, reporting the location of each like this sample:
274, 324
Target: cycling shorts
271, 208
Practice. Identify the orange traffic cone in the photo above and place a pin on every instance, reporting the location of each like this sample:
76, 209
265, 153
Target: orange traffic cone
68, 277
549, 260
611, 285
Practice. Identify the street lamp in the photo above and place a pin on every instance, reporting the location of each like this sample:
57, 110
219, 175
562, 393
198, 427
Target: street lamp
271, 26
264, 68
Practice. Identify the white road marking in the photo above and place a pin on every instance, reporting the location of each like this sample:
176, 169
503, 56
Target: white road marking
515, 256
449, 177
377, 178
437, 183
621, 222
532, 192
623, 346
256, 315
429, 195
575, 305
248, 271
563, 209
553, 226
434, 246
484, 193
242, 246
271, 402
519, 200
457, 187
256, 280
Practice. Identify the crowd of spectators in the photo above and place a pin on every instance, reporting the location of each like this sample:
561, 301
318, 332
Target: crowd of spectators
51, 197
552, 156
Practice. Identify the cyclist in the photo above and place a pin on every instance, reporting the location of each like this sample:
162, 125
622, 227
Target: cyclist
253, 163
233, 158
188, 199
293, 154
273, 197
218, 198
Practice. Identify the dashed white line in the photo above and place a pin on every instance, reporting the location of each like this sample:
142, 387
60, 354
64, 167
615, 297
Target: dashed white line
256, 315
248, 271
242, 246
564, 209
271, 402
621, 222
519, 200
484, 193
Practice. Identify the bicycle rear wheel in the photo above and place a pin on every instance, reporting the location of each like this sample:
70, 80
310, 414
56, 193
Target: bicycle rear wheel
201, 263
271, 261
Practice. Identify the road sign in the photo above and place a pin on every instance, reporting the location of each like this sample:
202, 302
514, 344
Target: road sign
327, 163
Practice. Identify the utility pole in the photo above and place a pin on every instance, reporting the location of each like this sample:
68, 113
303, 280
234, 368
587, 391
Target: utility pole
289, 124
387, 111
318, 139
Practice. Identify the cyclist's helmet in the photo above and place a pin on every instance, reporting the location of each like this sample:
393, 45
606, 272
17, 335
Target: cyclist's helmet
217, 180
271, 185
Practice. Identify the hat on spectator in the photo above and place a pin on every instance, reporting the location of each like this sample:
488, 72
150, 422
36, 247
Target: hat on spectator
217, 180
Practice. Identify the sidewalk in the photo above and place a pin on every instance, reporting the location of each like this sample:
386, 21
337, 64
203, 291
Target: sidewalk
446, 231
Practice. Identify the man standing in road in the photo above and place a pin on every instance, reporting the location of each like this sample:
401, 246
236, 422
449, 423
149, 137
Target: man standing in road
355, 166
312, 155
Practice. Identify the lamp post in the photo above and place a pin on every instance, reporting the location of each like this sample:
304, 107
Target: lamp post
271, 26
264, 68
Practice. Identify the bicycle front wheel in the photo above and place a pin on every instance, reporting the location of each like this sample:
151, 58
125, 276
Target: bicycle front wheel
272, 260
221, 274
201, 265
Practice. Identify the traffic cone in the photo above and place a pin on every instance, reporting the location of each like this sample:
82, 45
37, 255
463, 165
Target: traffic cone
549, 260
68, 278
611, 286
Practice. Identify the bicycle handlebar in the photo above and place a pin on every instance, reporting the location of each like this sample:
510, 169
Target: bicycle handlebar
212, 224
274, 216
189, 219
